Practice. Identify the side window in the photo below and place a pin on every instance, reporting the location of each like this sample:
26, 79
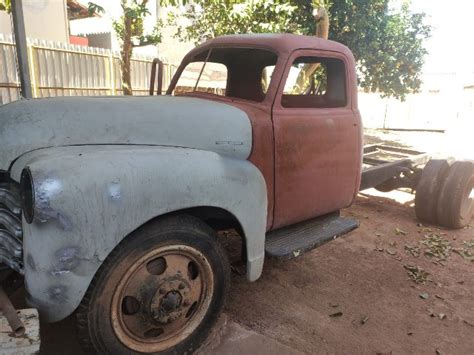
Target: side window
315, 82
213, 78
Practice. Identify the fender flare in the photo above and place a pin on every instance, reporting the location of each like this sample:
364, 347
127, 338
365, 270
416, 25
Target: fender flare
88, 198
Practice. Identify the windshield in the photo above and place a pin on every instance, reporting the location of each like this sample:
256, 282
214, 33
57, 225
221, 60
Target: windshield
230, 72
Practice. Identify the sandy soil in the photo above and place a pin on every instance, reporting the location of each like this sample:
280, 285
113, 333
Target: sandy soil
382, 311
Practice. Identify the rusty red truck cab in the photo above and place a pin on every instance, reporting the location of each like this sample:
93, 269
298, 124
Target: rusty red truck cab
307, 131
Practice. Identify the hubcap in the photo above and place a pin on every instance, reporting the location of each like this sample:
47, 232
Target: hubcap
162, 298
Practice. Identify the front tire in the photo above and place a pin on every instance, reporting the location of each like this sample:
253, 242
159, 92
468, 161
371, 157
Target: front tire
160, 291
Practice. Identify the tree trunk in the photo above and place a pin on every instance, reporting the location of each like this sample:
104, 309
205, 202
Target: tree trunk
322, 27
126, 55
322, 31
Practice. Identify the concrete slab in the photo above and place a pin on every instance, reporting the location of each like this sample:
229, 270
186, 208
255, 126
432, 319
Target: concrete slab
231, 338
29, 343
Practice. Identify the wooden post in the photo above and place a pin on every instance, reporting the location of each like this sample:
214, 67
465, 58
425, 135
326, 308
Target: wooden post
113, 90
32, 62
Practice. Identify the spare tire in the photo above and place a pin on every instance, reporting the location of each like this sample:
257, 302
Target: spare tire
427, 189
456, 201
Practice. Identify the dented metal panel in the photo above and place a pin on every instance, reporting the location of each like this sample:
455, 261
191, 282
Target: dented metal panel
187, 122
87, 199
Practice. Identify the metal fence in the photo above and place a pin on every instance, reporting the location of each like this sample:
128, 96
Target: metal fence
60, 69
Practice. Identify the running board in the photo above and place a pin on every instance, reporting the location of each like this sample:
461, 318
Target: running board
292, 241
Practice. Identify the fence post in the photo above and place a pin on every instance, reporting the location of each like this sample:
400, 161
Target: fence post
112, 74
32, 65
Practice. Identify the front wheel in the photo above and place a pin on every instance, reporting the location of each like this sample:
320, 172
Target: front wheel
160, 291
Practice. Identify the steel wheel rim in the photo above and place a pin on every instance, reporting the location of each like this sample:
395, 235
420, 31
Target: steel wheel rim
153, 307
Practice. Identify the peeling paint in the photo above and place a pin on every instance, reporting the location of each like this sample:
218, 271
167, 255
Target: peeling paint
58, 293
114, 191
68, 259
46, 190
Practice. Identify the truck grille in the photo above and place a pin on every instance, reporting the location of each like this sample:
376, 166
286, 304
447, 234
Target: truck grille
11, 232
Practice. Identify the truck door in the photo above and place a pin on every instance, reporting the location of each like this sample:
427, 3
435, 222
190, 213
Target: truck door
317, 137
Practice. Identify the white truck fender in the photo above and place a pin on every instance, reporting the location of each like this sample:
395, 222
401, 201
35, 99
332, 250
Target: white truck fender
88, 198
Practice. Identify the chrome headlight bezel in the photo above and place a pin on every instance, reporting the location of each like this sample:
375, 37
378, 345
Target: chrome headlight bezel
27, 195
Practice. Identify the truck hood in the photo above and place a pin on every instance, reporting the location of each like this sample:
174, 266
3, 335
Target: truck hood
28, 125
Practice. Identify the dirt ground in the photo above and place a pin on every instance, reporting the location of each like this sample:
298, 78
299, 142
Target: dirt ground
357, 275
354, 295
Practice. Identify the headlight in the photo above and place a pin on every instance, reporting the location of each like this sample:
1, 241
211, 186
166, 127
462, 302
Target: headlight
27, 195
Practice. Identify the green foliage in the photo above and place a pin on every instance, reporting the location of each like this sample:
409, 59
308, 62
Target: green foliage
387, 43
6, 5
94, 9
134, 13
208, 19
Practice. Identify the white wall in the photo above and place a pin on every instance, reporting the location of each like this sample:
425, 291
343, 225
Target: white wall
102, 24
445, 101
44, 19
170, 49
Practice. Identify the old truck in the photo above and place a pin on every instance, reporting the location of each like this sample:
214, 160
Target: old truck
110, 206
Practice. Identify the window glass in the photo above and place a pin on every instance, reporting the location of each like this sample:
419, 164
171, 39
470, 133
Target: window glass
213, 78
232, 72
267, 73
315, 82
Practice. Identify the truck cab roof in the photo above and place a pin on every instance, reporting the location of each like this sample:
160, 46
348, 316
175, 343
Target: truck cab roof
281, 43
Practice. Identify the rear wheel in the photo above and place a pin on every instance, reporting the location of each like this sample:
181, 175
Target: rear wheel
427, 189
160, 291
456, 198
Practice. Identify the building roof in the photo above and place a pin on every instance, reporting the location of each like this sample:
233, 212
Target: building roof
76, 10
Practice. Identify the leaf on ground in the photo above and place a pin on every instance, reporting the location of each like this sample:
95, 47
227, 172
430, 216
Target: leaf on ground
390, 251
466, 251
436, 247
417, 274
399, 231
413, 250
424, 295
335, 315
334, 305
468, 323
